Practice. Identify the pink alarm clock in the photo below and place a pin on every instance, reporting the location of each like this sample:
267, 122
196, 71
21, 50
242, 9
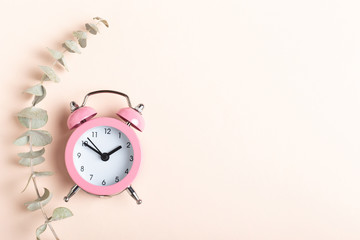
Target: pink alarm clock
103, 154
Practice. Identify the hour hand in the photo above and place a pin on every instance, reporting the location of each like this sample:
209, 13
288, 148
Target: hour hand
114, 150
95, 150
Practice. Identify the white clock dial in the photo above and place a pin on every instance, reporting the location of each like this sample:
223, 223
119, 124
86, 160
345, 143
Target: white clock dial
103, 155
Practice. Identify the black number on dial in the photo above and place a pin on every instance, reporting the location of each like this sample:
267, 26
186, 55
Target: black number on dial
103, 182
128, 144
84, 142
78, 155
94, 134
127, 171
117, 179
82, 168
119, 134
107, 130
131, 158
91, 176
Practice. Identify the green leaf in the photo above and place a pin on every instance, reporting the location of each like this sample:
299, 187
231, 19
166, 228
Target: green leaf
63, 63
55, 54
38, 138
102, 21
38, 99
37, 174
35, 161
40, 230
36, 90
61, 213
71, 46
59, 56
37, 116
41, 201
49, 74
32, 154
81, 37
33, 113
22, 140
27, 184
35, 123
92, 28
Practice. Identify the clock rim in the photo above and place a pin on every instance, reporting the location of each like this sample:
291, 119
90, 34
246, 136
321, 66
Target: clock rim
81, 182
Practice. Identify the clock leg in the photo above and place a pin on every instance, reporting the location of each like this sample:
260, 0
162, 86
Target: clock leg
133, 194
71, 193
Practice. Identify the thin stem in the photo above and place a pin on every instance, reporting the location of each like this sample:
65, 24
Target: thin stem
36, 187
54, 63
53, 231
33, 177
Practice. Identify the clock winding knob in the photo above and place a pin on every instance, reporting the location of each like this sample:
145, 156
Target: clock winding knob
139, 107
73, 106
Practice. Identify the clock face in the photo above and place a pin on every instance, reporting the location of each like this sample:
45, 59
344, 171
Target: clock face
103, 155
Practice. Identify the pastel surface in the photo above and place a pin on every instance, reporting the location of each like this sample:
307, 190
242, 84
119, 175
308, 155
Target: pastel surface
251, 109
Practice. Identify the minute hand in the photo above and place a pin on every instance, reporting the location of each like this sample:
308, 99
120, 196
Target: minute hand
98, 151
114, 150
87, 145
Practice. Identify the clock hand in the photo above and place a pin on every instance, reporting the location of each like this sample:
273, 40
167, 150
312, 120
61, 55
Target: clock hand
98, 151
114, 150
92, 148
103, 156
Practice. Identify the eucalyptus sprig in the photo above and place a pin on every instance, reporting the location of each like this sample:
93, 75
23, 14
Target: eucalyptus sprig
34, 118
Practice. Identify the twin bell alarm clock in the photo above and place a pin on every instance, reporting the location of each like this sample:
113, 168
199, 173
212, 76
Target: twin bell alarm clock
103, 154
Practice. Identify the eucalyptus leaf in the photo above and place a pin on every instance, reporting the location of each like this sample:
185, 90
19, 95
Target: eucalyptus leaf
81, 37
40, 230
102, 21
35, 123
92, 28
38, 99
49, 74
82, 42
32, 154
27, 184
56, 54
36, 90
40, 137
35, 161
39, 174
59, 56
22, 140
44, 77
33, 113
63, 63
61, 213
37, 116
41, 201
71, 46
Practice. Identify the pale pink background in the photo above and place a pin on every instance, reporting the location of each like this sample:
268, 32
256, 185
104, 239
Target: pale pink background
251, 108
